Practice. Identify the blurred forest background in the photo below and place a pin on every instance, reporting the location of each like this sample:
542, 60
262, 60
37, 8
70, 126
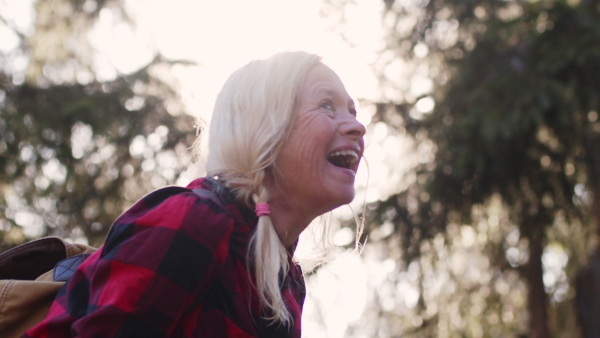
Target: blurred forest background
493, 231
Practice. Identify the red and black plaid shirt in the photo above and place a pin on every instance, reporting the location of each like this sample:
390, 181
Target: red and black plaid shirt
174, 265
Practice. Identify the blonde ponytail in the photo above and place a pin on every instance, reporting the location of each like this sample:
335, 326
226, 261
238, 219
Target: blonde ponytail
269, 258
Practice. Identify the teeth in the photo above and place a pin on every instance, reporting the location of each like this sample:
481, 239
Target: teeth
351, 153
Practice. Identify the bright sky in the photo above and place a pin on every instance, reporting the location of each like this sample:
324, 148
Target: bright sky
224, 35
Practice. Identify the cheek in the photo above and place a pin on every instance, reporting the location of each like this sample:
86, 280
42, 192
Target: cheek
306, 149
302, 157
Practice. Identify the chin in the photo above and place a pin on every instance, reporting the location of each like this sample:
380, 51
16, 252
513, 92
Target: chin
343, 199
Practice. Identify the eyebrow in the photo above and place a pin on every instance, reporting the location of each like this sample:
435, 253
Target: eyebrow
336, 95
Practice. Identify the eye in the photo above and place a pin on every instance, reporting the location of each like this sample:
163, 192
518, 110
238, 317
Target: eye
328, 105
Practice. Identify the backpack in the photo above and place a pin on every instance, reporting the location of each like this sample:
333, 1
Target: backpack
31, 275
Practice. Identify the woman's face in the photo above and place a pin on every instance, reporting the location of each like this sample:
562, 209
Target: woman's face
317, 165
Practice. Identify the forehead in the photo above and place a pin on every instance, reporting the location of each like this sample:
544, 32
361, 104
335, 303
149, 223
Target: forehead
322, 81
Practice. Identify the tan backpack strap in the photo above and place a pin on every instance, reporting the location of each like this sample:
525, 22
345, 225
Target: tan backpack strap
74, 249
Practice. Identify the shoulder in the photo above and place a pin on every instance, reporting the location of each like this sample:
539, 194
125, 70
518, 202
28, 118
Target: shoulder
171, 204
175, 214
174, 200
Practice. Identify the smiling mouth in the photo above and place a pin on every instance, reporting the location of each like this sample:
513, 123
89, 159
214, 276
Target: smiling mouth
344, 159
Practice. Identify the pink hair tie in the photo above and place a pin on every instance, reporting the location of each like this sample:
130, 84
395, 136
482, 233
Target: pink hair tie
262, 209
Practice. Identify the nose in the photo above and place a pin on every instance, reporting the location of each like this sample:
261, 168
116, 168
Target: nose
351, 127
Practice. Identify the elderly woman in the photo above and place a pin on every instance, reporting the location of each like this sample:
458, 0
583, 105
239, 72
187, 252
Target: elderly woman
215, 259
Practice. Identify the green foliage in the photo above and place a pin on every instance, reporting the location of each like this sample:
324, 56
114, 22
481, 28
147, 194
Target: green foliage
74, 154
516, 118
519, 113
66, 151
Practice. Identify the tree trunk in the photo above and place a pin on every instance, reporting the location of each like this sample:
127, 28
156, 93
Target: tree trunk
587, 285
587, 298
537, 297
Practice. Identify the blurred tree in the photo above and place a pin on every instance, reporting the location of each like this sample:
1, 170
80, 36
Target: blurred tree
516, 94
74, 150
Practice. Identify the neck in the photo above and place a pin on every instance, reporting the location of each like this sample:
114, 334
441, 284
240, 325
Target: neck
288, 221
289, 216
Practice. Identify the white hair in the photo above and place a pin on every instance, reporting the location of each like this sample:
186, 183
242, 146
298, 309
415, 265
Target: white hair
252, 118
